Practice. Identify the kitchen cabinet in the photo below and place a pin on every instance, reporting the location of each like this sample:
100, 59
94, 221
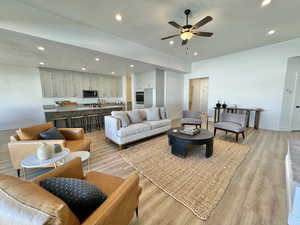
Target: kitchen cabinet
76, 83
62, 83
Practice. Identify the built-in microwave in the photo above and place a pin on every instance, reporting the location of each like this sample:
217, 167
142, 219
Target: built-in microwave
90, 94
139, 97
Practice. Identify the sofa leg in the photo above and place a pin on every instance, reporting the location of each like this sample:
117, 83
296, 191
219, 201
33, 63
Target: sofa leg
19, 172
137, 212
237, 137
215, 131
226, 132
243, 133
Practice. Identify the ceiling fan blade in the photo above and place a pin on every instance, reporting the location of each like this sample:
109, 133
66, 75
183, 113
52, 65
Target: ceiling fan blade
203, 22
184, 42
176, 25
175, 35
203, 34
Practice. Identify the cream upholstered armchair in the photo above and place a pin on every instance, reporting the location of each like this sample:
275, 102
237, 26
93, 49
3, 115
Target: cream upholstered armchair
27, 140
194, 118
232, 122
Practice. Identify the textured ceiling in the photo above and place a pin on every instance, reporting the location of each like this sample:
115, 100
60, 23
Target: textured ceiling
20, 49
237, 25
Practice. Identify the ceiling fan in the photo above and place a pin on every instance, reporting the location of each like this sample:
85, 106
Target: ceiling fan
188, 31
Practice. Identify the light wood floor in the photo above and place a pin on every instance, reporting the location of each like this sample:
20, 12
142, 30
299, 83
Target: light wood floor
256, 195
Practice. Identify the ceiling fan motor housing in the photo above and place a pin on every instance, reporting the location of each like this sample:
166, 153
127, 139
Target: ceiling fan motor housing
187, 11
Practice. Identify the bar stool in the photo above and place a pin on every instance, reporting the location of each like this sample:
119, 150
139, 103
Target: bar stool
79, 121
93, 122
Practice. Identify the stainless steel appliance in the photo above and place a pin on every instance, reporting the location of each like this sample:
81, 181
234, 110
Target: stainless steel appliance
139, 97
90, 94
149, 98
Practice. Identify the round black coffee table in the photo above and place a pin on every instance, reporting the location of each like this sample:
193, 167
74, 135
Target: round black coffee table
180, 142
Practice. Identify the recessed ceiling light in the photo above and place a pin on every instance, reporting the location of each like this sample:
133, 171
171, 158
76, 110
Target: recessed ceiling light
41, 48
112, 72
42, 63
171, 42
271, 32
265, 3
83, 69
118, 17
97, 59
195, 53
131, 66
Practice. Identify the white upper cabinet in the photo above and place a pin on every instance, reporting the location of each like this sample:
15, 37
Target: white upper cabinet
77, 84
63, 83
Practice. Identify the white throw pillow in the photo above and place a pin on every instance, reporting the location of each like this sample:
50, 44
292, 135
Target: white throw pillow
125, 122
162, 113
152, 114
134, 116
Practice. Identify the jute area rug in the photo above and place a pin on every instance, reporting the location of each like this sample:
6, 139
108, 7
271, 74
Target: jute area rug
197, 182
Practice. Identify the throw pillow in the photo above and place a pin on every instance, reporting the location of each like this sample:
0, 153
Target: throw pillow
152, 114
125, 122
52, 134
82, 198
134, 116
162, 113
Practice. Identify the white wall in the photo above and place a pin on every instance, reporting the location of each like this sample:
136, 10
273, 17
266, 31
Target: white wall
174, 94
20, 97
252, 78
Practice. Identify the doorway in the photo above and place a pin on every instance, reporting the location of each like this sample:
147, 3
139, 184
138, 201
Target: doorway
198, 95
296, 108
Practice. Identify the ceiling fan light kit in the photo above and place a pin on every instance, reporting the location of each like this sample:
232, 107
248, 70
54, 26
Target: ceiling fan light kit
188, 31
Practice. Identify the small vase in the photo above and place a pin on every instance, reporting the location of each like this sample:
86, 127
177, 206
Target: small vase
44, 152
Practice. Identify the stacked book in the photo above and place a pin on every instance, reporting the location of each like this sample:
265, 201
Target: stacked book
189, 131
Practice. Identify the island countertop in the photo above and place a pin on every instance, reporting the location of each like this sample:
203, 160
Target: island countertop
80, 108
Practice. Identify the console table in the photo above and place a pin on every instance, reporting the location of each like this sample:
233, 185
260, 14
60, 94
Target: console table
247, 111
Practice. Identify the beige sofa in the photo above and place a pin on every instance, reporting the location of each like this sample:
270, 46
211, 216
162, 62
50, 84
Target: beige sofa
26, 142
26, 203
135, 131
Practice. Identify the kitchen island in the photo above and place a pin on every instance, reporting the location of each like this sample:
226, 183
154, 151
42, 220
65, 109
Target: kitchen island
87, 117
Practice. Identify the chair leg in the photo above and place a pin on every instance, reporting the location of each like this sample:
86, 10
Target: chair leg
137, 212
237, 137
19, 172
243, 133
215, 131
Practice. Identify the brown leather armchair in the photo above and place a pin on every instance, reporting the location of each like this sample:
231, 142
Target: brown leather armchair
27, 140
24, 202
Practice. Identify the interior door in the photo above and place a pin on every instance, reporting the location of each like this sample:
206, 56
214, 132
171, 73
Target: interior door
296, 113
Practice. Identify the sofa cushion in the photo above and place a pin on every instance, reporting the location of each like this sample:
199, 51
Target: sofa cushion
27, 203
121, 116
52, 134
134, 116
82, 197
152, 114
133, 129
162, 113
33, 132
191, 121
229, 126
142, 114
78, 145
159, 123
